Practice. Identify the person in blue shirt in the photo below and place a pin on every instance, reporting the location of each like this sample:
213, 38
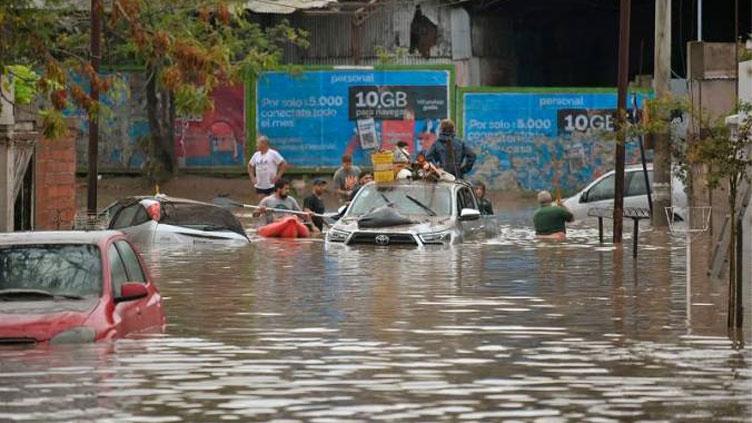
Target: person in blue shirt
450, 153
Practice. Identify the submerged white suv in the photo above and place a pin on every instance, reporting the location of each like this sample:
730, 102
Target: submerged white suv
600, 193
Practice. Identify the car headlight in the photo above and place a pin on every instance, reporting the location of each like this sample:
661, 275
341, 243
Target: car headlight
436, 237
335, 235
77, 335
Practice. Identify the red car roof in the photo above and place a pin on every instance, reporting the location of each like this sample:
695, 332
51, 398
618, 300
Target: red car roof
56, 237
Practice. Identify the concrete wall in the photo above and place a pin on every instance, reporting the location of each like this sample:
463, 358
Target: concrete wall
712, 92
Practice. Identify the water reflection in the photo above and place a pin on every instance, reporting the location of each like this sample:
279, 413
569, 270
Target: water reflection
514, 329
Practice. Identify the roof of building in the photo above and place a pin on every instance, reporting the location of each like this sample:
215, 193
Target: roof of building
284, 7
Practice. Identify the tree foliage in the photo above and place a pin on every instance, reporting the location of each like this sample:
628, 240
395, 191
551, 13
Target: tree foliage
185, 47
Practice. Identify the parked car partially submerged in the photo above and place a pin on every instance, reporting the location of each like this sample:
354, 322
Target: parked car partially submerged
166, 220
70, 286
413, 213
600, 193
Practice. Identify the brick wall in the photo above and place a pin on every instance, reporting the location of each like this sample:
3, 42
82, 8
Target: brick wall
55, 180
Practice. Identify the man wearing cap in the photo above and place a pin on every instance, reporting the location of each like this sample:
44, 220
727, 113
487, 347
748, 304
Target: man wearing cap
313, 202
550, 220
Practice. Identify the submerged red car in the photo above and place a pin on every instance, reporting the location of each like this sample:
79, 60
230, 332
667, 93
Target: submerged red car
71, 286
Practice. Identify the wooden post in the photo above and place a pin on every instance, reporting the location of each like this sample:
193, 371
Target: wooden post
96, 35
623, 81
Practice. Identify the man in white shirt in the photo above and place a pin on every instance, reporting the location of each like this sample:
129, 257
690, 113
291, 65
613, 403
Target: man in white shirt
265, 168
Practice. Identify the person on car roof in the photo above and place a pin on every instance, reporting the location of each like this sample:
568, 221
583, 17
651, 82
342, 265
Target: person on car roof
450, 153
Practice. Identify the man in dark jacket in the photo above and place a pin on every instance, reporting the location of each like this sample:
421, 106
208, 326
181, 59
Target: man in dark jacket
457, 160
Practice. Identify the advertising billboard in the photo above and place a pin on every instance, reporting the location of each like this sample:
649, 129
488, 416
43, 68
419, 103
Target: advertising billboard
216, 139
542, 140
314, 117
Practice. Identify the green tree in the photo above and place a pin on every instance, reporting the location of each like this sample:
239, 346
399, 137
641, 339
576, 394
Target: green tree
726, 156
186, 49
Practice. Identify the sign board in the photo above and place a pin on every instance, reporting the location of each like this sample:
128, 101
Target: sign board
314, 117
217, 138
542, 140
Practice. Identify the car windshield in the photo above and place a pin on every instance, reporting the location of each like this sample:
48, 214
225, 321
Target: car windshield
424, 200
67, 270
204, 217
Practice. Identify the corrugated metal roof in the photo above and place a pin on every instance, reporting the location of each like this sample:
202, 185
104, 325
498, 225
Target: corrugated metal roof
284, 7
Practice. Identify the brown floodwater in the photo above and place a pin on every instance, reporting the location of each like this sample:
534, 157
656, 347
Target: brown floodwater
512, 329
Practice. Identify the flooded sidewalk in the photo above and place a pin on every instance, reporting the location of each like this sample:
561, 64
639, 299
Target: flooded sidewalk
513, 329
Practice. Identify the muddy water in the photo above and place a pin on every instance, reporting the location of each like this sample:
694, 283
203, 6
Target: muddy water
510, 330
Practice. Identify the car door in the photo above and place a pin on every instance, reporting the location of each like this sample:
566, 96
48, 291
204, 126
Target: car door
123, 313
471, 229
127, 315
636, 191
148, 309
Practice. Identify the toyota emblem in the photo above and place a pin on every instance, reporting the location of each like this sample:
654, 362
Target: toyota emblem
382, 240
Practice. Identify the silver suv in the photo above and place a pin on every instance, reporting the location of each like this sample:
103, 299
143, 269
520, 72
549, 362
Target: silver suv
434, 214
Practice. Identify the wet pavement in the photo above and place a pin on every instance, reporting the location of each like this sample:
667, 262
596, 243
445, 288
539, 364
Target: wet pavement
510, 330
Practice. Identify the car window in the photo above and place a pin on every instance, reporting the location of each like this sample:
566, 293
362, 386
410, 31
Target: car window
125, 217
637, 185
132, 265
111, 211
469, 200
65, 269
141, 216
117, 271
460, 202
603, 190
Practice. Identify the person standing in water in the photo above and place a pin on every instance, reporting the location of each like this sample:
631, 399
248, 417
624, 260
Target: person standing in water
550, 221
484, 205
314, 203
265, 168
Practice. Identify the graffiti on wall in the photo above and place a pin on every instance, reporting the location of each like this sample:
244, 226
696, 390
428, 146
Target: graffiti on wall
216, 139
123, 126
315, 117
213, 140
534, 141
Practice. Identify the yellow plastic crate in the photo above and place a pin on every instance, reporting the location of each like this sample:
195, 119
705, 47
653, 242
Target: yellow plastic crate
383, 166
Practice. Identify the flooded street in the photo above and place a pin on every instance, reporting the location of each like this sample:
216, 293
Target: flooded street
511, 330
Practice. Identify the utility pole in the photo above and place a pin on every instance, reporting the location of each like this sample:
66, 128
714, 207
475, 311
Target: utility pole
623, 81
699, 20
96, 36
662, 86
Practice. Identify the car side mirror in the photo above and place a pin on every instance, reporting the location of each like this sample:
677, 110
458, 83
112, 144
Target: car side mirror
583, 197
131, 291
469, 214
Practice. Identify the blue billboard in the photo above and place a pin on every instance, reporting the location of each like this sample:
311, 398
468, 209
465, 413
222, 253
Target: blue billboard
314, 117
533, 141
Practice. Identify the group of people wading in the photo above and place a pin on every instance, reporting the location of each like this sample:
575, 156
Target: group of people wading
448, 158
